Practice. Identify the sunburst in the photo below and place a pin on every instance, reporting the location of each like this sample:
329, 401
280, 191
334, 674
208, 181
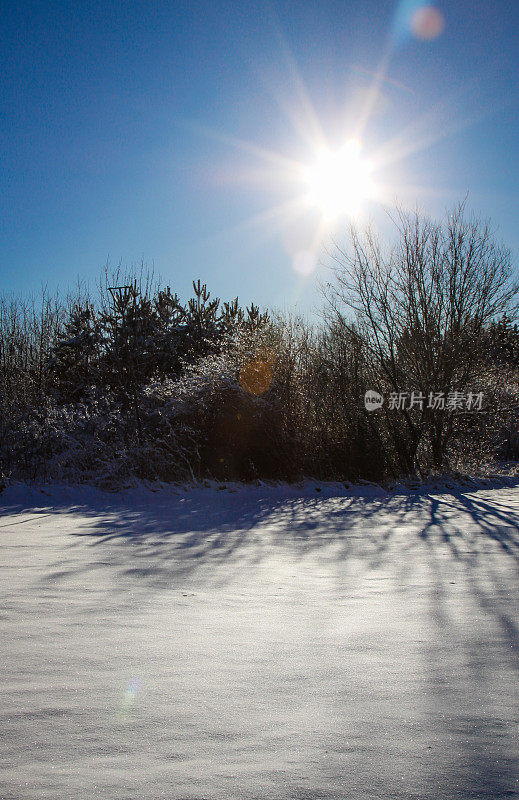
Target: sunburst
334, 184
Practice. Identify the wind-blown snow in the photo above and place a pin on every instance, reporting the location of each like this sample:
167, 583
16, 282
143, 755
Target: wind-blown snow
258, 643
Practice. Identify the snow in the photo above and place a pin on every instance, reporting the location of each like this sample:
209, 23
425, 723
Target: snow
311, 642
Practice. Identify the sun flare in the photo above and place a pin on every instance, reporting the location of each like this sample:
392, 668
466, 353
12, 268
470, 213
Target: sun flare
339, 181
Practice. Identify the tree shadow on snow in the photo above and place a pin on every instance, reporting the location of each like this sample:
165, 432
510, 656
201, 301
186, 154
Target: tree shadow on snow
456, 554
148, 535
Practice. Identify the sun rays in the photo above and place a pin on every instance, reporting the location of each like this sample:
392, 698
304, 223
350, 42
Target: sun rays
337, 180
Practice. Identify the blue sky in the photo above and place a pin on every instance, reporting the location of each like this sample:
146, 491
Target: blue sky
170, 133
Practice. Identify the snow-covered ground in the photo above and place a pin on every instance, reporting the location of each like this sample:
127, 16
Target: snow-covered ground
258, 643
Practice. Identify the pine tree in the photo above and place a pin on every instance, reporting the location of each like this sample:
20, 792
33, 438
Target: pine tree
127, 328
203, 325
169, 336
74, 364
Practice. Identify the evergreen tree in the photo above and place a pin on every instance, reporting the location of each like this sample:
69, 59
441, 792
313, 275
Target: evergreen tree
74, 364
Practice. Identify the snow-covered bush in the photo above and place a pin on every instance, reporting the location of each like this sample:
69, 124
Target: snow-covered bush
226, 430
138, 385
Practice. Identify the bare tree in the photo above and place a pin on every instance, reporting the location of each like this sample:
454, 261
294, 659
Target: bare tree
421, 309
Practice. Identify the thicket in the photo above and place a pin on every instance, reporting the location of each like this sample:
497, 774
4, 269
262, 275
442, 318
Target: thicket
133, 382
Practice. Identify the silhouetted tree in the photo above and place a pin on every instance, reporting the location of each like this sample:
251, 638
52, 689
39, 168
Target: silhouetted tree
422, 309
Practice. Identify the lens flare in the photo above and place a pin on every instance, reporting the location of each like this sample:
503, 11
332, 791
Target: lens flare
256, 376
128, 699
428, 23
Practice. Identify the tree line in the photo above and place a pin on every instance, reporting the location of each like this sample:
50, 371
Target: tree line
134, 382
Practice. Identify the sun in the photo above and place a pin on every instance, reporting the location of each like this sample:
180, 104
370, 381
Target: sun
339, 181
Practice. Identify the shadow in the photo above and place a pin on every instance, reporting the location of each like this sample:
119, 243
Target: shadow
150, 536
471, 527
469, 642
159, 538
447, 563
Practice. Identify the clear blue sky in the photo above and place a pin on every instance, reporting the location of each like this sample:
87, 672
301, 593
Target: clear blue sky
137, 130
